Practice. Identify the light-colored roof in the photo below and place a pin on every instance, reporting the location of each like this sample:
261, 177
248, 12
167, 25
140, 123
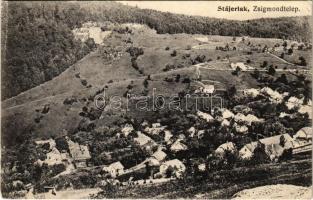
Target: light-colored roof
191, 131
304, 133
142, 139
153, 162
167, 135
114, 166
228, 146
306, 109
127, 129
276, 139
156, 125
50, 141
294, 102
274, 95
205, 116
78, 152
241, 129
226, 114
208, 89
247, 119
225, 122
274, 150
53, 157
174, 163
154, 130
251, 92
178, 146
159, 155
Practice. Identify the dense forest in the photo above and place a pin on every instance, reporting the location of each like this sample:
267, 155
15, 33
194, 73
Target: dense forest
40, 45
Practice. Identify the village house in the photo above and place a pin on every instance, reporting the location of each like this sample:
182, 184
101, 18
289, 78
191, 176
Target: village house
252, 92
200, 134
127, 129
167, 136
159, 155
247, 119
274, 146
176, 165
228, 146
156, 129
191, 131
178, 146
50, 141
242, 109
80, 154
243, 129
53, 157
241, 66
114, 169
303, 140
227, 114
306, 109
225, 123
142, 139
274, 95
294, 102
205, 116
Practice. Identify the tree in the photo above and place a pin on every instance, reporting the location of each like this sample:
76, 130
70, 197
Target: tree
271, 70
290, 51
259, 154
177, 78
256, 74
231, 91
282, 79
145, 83
265, 63
236, 72
302, 61
174, 53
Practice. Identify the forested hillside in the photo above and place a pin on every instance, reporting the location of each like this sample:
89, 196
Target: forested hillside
40, 45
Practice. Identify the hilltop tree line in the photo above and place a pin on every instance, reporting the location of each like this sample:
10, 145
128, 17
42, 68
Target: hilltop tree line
40, 45
164, 22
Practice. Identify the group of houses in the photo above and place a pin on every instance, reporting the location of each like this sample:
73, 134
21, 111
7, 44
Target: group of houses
276, 97
76, 157
273, 146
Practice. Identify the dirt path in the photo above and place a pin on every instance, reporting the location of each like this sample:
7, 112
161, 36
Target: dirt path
69, 194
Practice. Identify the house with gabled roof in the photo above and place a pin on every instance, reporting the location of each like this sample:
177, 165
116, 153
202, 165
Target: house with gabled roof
115, 169
274, 146
79, 153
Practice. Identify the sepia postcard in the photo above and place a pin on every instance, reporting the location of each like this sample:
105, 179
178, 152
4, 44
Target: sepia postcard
156, 99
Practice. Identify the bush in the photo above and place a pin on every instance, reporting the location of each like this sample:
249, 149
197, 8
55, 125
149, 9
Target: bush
69, 101
174, 53
302, 61
61, 144
186, 80
271, 71
135, 51
84, 82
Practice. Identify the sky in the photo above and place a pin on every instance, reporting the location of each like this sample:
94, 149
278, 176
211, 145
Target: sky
209, 8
